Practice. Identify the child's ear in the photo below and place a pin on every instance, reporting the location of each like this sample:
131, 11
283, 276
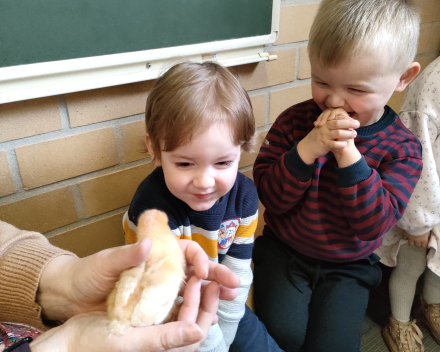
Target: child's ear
408, 76
150, 150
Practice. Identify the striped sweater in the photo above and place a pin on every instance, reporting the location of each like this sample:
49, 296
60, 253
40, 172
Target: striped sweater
330, 213
225, 232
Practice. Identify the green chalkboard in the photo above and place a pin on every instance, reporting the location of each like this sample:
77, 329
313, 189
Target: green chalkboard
34, 31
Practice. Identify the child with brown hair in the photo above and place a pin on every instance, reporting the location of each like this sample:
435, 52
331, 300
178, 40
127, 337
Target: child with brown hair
199, 120
335, 173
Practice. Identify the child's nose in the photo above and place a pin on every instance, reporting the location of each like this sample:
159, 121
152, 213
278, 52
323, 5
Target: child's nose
204, 180
334, 101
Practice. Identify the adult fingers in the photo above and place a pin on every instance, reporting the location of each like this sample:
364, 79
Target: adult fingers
115, 260
195, 257
191, 300
208, 306
222, 275
205, 269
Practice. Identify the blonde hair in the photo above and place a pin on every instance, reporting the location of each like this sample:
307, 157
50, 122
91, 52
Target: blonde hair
349, 28
189, 98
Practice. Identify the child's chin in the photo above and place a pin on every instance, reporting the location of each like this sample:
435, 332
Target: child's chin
202, 206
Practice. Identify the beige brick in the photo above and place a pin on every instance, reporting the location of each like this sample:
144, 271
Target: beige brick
259, 105
92, 238
105, 104
434, 44
396, 101
42, 213
29, 118
6, 184
304, 70
429, 10
47, 162
268, 73
424, 38
280, 100
133, 141
102, 194
249, 158
295, 23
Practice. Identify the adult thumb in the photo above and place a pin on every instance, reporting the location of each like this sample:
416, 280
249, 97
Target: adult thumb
116, 260
166, 337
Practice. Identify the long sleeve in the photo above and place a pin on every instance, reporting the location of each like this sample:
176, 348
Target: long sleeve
23, 257
281, 177
238, 259
331, 213
374, 200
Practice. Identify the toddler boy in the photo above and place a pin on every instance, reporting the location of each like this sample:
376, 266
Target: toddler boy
335, 173
199, 119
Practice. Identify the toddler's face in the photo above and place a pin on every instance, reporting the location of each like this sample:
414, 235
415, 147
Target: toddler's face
359, 86
203, 170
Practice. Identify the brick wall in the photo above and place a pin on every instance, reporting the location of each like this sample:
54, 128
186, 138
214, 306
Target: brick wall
70, 164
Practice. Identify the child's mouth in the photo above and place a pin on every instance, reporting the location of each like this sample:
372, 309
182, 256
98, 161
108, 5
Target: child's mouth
203, 196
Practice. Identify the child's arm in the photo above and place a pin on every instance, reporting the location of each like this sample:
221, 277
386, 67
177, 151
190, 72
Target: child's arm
283, 170
375, 199
238, 259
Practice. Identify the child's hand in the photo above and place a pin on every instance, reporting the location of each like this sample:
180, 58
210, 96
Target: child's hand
418, 241
330, 115
333, 135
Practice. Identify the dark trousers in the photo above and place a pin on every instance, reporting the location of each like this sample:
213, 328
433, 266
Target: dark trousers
252, 336
308, 304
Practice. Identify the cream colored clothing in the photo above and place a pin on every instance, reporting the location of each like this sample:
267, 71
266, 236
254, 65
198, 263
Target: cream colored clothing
23, 257
421, 114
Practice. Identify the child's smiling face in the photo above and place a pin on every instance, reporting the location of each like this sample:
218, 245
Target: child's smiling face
359, 86
202, 171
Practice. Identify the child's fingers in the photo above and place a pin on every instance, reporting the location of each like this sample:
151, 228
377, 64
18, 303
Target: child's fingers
345, 124
322, 119
332, 145
330, 115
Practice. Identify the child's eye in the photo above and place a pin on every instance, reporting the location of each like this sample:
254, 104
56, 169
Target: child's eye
183, 165
356, 90
322, 84
225, 163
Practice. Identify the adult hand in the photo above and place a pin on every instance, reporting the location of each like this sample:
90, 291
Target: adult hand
90, 331
417, 241
71, 286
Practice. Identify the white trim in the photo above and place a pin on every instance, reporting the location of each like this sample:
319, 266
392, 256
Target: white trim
59, 77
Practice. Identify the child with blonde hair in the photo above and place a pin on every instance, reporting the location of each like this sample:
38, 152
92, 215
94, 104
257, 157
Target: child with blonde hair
335, 174
199, 120
405, 245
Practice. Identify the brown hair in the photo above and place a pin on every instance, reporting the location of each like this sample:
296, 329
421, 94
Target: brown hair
189, 98
348, 28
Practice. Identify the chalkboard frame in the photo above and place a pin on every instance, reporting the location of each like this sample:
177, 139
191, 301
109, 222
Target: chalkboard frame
37, 80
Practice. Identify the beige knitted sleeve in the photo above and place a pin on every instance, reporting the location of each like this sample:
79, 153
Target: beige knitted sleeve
23, 257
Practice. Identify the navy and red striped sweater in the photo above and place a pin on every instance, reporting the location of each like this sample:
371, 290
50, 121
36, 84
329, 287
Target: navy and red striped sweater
330, 213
